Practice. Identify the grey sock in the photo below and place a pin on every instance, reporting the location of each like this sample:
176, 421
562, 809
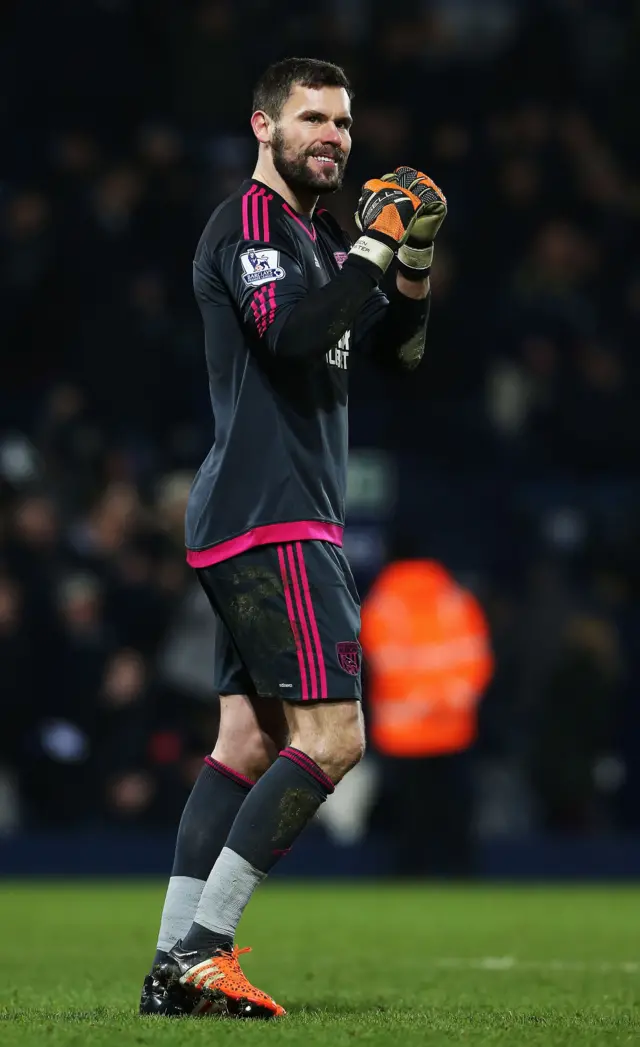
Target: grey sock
215, 800
272, 816
226, 893
183, 895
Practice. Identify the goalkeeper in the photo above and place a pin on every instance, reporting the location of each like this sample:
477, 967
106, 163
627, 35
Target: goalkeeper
285, 299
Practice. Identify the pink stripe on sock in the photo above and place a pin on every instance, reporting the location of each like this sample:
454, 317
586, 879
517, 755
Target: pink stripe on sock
312, 620
254, 214
310, 766
294, 625
303, 622
229, 772
265, 216
304, 757
245, 211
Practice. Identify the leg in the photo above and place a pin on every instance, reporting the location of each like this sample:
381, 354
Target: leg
317, 658
327, 740
452, 826
248, 741
294, 613
243, 752
331, 734
413, 797
204, 965
250, 734
432, 824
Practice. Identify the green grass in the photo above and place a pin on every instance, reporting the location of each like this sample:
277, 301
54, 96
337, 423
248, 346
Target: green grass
353, 964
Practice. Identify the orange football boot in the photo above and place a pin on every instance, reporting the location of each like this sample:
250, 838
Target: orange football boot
216, 984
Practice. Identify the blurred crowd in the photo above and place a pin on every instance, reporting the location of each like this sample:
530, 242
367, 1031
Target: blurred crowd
125, 122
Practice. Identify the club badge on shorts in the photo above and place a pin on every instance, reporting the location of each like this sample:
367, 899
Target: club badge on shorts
350, 656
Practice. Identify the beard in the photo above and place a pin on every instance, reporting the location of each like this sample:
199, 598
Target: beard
297, 173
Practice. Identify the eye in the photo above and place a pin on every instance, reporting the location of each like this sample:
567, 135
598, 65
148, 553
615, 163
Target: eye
314, 118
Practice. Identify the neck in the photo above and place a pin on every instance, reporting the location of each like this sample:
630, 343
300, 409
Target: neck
301, 201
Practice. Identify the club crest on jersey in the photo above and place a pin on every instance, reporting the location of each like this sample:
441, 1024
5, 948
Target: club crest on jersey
340, 257
261, 267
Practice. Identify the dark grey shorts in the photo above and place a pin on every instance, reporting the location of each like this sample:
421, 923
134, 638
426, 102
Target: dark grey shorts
288, 622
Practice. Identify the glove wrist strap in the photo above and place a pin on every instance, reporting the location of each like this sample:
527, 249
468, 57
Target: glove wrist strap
413, 274
416, 257
373, 250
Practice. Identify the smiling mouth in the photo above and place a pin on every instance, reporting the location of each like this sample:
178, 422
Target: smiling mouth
324, 159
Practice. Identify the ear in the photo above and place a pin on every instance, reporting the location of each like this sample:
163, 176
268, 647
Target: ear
261, 126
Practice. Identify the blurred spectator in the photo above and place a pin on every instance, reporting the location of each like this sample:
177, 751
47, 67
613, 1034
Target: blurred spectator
575, 729
427, 647
122, 728
17, 678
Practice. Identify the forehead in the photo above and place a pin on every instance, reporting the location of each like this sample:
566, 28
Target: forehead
332, 101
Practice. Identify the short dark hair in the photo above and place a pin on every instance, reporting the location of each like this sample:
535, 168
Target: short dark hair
274, 86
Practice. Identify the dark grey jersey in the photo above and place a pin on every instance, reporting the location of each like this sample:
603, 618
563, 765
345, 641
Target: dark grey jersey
278, 380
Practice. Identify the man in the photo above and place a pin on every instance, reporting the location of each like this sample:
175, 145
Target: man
285, 299
428, 650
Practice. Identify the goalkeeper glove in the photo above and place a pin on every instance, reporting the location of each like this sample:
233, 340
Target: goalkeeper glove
384, 216
416, 253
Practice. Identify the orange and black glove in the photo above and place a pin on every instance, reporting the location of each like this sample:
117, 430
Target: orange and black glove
384, 216
416, 253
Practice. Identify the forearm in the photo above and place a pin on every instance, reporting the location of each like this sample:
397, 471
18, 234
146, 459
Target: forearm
414, 289
318, 321
399, 339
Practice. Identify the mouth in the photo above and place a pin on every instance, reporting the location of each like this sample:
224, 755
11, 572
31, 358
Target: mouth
325, 160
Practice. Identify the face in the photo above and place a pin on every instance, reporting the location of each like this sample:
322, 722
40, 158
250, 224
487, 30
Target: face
311, 140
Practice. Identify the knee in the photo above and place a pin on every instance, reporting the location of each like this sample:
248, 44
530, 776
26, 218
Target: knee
349, 753
335, 755
250, 753
259, 754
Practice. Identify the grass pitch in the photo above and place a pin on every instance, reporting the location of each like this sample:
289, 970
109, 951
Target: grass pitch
377, 965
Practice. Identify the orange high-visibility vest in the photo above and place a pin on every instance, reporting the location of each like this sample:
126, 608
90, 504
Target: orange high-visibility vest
428, 652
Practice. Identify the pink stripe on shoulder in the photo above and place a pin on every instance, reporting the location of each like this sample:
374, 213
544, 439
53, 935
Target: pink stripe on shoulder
268, 534
254, 214
265, 216
245, 212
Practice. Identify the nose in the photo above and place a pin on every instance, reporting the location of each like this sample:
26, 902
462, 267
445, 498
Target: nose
331, 135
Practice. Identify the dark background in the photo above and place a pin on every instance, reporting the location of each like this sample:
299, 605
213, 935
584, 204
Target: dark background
512, 454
